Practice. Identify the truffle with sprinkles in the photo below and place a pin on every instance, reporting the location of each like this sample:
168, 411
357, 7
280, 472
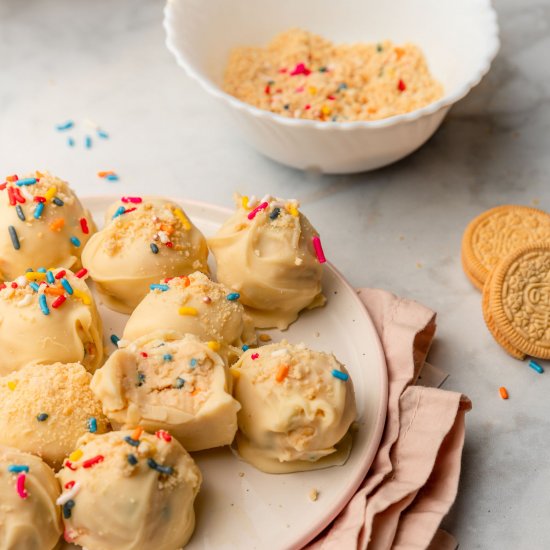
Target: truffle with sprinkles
270, 255
41, 223
29, 517
144, 482
48, 322
145, 239
185, 388
45, 409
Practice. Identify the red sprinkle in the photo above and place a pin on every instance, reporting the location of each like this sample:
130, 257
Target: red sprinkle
69, 485
267, 89
300, 69
93, 461
331, 97
169, 244
283, 70
59, 301
143, 354
14, 285
2, 286
254, 356
39, 199
12, 178
162, 434
69, 465
18, 196
11, 196
3, 185
401, 86
81, 273
307, 107
62, 274
252, 214
133, 200
84, 226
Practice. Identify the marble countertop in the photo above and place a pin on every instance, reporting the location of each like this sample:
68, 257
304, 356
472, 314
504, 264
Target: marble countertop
398, 228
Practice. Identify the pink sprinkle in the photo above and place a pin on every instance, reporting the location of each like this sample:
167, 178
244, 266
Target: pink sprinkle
162, 434
319, 250
254, 356
133, 200
21, 491
299, 90
252, 214
300, 69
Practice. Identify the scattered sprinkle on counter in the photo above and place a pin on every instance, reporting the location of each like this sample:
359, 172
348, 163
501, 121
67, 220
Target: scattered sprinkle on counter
535, 366
503, 392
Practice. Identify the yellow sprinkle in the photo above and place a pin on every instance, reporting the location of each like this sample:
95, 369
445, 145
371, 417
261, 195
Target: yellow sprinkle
50, 193
12, 384
39, 174
76, 455
244, 202
236, 373
292, 209
312, 90
35, 275
181, 217
264, 337
214, 346
82, 296
325, 109
188, 311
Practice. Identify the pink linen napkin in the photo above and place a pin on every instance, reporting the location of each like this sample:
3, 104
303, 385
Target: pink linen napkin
414, 477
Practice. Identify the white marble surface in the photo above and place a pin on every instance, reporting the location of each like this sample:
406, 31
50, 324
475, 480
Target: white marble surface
398, 228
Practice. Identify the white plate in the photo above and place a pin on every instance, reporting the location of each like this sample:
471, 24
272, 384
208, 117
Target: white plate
257, 510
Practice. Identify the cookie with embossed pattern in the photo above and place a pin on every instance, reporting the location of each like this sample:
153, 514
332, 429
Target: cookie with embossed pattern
496, 233
519, 299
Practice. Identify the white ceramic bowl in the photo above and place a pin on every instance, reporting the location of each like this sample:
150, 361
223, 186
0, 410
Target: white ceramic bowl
458, 37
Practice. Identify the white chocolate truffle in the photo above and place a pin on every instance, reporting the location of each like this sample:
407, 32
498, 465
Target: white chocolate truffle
162, 382
49, 322
297, 408
29, 517
141, 243
193, 304
266, 254
46, 409
131, 491
40, 234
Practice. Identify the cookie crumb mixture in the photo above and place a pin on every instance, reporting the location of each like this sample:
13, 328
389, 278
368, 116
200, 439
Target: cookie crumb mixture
303, 75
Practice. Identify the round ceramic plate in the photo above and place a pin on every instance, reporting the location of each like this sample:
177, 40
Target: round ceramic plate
240, 507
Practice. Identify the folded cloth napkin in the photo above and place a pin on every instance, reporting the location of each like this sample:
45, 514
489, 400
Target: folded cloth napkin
414, 477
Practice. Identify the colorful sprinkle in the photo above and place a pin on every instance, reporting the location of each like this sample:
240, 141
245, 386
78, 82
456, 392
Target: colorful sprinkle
81, 273
180, 382
42, 417
58, 202
26, 181
260, 207
93, 461
254, 356
133, 200
18, 468
131, 441
167, 357
102, 134
193, 363
86, 300
319, 249
185, 310
140, 379
50, 193
75, 456
401, 86
68, 509
503, 392
162, 288
245, 348
300, 69
42, 270
67, 286
70, 141
167, 470
34, 286
92, 425
115, 339
38, 210
20, 213
12, 384
65, 126
282, 373
75, 241
57, 224
183, 219
136, 434
154, 248
535, 366
59, 301
119, 211
42, 302
73, 489
14, 238
84, 226
275, 214
244, 202
340, 375
132, 460
111, 177
88, 142
50, 278
21, 491
214, 346
163, 434
233, 296
105, 173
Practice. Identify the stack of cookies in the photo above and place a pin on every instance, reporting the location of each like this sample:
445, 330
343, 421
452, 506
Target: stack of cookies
506, 254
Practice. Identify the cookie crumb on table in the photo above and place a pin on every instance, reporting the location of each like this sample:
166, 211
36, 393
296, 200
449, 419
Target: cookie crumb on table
313, 495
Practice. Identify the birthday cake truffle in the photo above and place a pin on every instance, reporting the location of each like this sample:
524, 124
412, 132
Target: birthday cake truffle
163, 382
42, 223
193, 304
29, 517
49, 316
129, 490
297, 408
270, 254
144, 240
45, 409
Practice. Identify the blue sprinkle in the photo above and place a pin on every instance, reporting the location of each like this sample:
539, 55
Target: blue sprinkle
168, 470
154, 248
140, 379
275, 214
14, 238
340, 375
41, 270
92, 425
67, 286
26, 181
18, 468
50, 278
132, 460
342, 86
119, 211
535, 366
233, 296
88, 142
130, 441
42, 417
65, 126
20, 213
193, 363
115, 339
111, 177
70, 142
102, 134
245, 348
168, 357
164, 288
34, 286
76, 242
67, 509
43, 304
180, 382
58, 202
38, 210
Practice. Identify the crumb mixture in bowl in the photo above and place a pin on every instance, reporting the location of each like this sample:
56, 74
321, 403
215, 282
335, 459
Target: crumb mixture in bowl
302, 75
